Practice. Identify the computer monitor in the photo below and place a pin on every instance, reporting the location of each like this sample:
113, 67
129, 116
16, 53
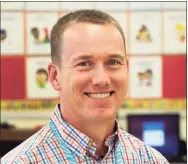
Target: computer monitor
161, 131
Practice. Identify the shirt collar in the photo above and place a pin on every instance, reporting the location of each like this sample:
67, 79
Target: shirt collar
78, 142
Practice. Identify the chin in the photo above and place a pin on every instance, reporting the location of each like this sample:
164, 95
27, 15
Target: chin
105, 114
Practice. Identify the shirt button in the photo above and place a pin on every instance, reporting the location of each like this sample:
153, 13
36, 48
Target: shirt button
88, 154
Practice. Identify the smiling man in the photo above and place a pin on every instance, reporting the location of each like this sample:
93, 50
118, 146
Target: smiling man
90, 70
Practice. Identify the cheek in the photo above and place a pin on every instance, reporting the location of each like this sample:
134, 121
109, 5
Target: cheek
76, 85
77, 82
120, 78
120, 81
80, 82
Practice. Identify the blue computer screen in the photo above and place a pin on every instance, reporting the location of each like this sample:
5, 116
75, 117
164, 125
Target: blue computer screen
159, 131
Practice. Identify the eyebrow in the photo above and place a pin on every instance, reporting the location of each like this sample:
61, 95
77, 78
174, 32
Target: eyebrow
122, 58
82, 57
86, 57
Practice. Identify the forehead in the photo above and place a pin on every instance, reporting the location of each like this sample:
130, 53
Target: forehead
88, 38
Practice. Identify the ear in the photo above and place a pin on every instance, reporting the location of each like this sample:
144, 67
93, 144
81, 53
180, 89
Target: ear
53, 75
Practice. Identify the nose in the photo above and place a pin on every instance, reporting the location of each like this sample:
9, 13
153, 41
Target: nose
100, 76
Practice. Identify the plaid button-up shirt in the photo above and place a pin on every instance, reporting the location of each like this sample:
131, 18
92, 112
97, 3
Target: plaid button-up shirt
45, 147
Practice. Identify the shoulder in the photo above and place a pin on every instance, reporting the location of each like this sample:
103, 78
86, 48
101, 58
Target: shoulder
35, 146
145, 152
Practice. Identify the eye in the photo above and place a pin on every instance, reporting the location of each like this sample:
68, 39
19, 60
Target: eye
84, 64
113, 62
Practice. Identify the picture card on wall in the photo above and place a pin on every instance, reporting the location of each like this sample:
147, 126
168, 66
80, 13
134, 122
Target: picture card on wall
174, 32
12, 33
72, 6
145, 33
42, 6
111, 6
12, 6
38, 85
145, 79
13, 84
145, 5
39, 26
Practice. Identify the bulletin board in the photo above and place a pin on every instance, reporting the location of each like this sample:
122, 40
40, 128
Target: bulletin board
155, 41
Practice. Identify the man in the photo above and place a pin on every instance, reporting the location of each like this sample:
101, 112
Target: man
90, 70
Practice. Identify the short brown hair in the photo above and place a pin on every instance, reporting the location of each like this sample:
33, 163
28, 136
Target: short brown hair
91, 16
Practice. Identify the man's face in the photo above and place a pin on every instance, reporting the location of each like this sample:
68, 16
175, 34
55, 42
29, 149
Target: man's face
93, 73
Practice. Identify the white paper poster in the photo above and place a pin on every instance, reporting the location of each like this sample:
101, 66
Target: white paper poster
145, 33
42, 6
111, 6
39, 26
38, 85
174, 32
12, 33
145, 79
72, 6
12, 5
145, 5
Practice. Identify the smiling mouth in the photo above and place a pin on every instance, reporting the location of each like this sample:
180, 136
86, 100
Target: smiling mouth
99, 95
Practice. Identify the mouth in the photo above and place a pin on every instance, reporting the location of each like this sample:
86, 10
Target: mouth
100, 95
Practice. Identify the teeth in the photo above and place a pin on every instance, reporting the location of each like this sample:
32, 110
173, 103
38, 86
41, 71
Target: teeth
99, 95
